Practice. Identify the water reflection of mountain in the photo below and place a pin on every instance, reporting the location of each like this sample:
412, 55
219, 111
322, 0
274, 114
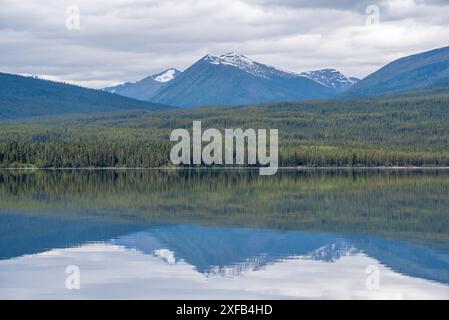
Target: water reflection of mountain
221, 250
231, 251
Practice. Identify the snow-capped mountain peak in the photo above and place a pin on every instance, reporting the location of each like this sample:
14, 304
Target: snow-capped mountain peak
241, 62
330, 78
231, 58
166, 75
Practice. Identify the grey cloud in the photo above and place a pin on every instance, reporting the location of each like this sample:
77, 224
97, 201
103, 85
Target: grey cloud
353, 5
356, 5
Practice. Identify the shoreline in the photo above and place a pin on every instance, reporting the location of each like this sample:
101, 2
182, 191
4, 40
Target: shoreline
298, 168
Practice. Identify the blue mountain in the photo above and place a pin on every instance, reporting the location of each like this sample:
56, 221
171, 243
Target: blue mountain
233, 79
427, 69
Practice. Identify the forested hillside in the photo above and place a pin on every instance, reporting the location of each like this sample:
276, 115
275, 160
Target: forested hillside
407, 130
23, 97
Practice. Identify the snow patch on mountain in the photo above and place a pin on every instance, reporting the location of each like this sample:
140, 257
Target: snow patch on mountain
145, 88
243, 63
166, 76
331, 78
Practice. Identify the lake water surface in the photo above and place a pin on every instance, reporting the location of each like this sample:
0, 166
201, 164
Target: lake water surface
320, 234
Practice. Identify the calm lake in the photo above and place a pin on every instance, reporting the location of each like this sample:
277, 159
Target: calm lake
320, 234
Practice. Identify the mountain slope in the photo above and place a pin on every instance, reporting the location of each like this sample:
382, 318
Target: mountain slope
331, 78
409, 73
233, 79
144, 89
23, 97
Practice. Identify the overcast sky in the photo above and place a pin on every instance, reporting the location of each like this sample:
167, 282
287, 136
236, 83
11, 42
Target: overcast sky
126, 40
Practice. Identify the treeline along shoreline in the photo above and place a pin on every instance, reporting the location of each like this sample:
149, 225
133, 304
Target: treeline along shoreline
396, 131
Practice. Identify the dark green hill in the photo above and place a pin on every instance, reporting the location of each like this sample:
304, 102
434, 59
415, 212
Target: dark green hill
24, 97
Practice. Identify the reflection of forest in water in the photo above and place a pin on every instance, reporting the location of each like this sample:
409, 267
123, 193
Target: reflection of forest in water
408, 203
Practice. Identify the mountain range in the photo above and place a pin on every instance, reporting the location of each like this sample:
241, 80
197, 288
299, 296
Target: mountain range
229, 79
233, 79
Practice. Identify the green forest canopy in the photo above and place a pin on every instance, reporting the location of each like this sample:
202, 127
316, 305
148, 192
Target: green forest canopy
403, 130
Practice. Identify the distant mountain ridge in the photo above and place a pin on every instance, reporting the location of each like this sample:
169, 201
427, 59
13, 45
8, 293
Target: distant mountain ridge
229, 79
418, 71
144, 89
23, 97
233, 79
243, 63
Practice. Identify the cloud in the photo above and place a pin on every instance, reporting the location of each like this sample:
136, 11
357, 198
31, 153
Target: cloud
353, 5
126, 40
